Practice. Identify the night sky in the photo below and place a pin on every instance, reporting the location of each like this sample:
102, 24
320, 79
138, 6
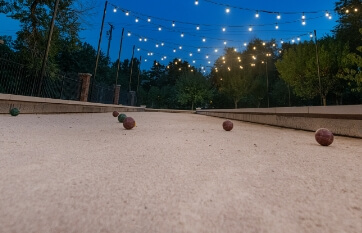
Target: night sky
199, 33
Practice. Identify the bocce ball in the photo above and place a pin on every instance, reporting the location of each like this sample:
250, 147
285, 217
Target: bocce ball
227, 125
115, 113
14, 111
121, 117
324, 137
129, 123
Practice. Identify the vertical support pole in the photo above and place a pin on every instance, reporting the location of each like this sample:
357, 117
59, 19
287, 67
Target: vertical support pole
130, 75
48, 46
317, 57
99, 41
119, 55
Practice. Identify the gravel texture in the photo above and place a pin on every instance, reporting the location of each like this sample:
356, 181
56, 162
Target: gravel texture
173, 173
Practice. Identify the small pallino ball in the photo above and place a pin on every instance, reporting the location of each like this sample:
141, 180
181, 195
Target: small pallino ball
129, 123
115, 113
227, 125
324, 137
121, 117
14, 111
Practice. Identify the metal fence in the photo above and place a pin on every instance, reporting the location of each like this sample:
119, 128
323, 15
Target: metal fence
16, 79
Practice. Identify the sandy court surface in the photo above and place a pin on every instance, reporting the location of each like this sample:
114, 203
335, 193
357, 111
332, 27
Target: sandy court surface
173, 173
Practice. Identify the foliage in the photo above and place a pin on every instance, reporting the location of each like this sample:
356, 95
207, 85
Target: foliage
349, 23
193, 88
352, 65
299, 69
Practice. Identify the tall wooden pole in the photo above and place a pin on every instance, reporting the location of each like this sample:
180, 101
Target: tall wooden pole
48, 47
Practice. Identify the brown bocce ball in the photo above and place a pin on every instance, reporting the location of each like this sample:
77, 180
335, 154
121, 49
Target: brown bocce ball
227, 125
115, 113
324, 137
129, 123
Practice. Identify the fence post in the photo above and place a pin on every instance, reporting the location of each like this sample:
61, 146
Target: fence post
85, 77
117, 90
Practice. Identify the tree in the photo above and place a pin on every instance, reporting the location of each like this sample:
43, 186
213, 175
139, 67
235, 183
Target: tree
229, 77
193, 88
35, 17
352, 64
298, 68
350, 23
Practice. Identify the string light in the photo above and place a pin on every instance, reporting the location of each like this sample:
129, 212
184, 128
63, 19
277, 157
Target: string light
257, 15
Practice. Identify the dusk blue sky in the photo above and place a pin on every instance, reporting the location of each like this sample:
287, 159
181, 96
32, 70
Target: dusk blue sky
219, 28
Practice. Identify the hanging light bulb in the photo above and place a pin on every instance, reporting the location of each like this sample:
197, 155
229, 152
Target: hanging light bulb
136, 20
203, 39
250, 29
198, 50
327, 14
129, 34
197, 27
140, 39
190, 54
216, 50
162, 44
278, 16
149, 20
303, 16
196, 2
257, 14
193, 61
159, 28
115, 10
225, 42
145, 39
180, 47
276, 26
245, 44
303, 22
182, 34
157, 45
207, 56
127, 13
174, 50
173, 24
138, 49
223, 29
227, 10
